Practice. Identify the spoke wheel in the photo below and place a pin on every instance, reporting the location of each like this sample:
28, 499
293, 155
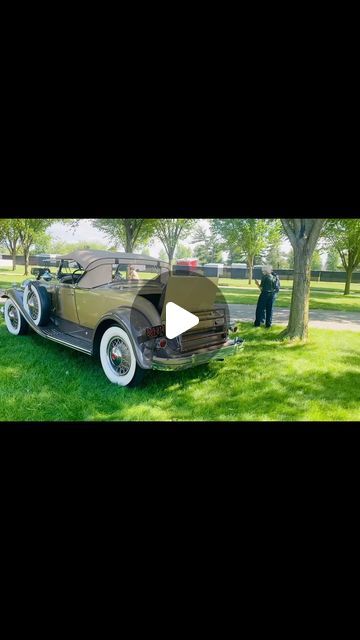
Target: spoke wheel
118, 358
15, 323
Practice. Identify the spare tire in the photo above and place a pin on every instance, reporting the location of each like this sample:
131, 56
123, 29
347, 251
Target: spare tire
37, 303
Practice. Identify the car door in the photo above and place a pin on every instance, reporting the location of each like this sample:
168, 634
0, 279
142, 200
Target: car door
65, 302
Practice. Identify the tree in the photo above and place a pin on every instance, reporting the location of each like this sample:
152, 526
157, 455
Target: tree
183, 251
29, 230
209, 247
235, 255
276, 257
162, 255
303, 234
145, 251
251, 235
333, 260
129, 233
63, 247
316, 261
171, 230
25, 233
42, 243
10, 237
290, 258
343, 234
202, 253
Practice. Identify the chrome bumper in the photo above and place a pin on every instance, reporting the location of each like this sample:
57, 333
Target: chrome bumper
185, 362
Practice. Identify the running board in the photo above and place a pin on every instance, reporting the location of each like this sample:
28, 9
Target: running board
52, 333
49, 331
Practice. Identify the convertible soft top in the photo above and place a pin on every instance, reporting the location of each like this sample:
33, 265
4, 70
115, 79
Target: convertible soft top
85, 257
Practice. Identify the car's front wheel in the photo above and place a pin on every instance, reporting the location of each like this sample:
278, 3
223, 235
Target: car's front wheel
118, 358
14, 321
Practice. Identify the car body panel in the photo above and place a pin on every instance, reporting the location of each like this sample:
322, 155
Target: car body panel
92, 304
65, 302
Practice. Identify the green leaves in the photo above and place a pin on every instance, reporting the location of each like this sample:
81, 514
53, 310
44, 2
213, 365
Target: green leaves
208, 245
249, 235
343, 234
130, 233
171, 230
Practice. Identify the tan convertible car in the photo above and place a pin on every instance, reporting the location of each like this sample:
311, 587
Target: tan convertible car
112, 306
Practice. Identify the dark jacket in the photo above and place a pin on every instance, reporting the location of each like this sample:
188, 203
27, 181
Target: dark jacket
267, 284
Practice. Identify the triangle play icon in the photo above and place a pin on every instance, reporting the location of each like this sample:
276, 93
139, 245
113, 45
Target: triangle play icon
178, 320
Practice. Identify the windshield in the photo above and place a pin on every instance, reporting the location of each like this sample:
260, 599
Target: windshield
70, 269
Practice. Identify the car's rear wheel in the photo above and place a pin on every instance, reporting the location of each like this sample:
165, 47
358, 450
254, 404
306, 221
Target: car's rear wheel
118, 358
36, 302
16, 324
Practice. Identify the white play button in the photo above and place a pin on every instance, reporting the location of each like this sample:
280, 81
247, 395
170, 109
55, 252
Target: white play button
178, 320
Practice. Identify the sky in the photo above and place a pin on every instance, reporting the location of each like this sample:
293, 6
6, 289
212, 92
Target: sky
86, 232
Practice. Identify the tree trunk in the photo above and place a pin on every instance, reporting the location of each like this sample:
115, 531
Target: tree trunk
349, 273
171, 258
299, 310
13, 254
250, 267
27, 257
303, 234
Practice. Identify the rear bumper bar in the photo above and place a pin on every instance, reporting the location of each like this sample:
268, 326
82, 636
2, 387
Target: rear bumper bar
185, 362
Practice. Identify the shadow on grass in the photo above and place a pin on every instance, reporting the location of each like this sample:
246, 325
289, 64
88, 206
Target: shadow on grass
268, 380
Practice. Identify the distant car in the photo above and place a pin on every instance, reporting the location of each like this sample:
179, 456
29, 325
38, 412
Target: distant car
111, 305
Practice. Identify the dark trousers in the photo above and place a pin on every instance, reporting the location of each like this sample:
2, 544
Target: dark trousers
264, 308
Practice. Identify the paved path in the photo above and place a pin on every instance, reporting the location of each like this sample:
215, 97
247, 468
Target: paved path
321, 318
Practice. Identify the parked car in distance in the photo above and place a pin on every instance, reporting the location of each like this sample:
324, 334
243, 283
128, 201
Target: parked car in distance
112, 306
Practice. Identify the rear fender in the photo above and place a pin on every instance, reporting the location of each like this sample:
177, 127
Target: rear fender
134, 322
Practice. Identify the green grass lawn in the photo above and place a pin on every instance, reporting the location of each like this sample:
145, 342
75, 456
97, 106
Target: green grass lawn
331, 301
268, 380
323, 295
287, 284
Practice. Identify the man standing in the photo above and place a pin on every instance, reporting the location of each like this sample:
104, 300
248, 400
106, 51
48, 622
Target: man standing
269, 287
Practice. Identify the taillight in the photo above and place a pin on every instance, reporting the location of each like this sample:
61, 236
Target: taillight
161, 343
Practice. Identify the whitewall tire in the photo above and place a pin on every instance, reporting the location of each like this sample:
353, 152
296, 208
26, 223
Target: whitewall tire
15, 323
37, 304
118, 358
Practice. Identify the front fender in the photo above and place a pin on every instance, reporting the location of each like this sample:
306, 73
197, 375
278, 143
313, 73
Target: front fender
134, 322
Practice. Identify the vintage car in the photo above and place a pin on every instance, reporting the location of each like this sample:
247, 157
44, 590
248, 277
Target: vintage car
112, 306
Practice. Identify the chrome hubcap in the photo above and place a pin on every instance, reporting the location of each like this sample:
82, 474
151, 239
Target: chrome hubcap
119, 356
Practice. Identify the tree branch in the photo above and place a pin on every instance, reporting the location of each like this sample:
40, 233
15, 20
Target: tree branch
315, 232
289, 231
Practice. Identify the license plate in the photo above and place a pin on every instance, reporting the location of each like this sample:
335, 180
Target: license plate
155, 332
